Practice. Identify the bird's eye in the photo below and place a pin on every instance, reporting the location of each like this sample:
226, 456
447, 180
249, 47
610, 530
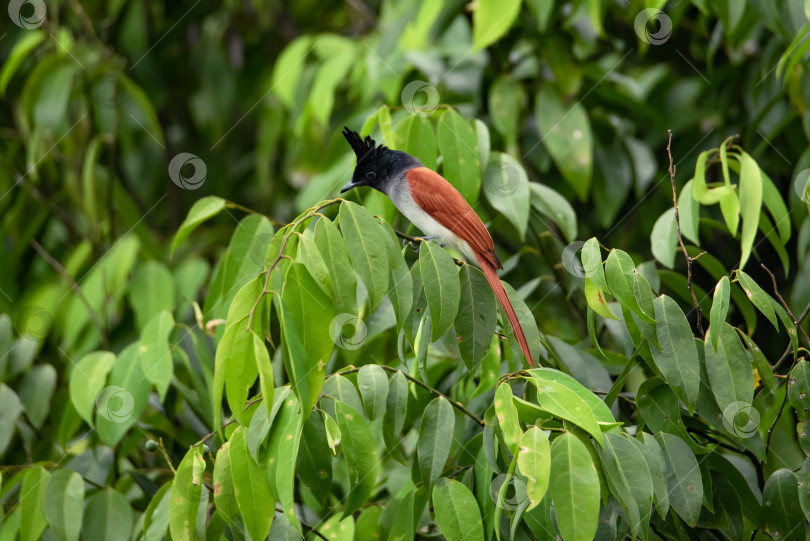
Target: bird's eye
371, 175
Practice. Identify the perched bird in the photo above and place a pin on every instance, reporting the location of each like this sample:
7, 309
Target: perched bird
435, 207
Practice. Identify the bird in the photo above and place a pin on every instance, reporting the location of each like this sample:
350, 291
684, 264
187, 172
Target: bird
435, 207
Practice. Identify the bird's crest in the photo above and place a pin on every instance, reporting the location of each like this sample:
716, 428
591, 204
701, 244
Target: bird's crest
363, 148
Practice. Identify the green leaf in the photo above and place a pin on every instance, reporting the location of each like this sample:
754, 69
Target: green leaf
360, 454
677, 358
373, 384
620, 272
331, 73
154, 353
729, 370
396, 407
506, 186
266, 378
575, 488
250, 487
121, 403
20, 51
720, 303
664, 238
457, 511
730, 208
151, 291
683, 477
187, 491
414, 134
235, 369
367, 249
476, 318
156, 517
773, 201
689, 213
32, 492
306, 314
64, 504
553, 205
798, 388
527, 323
314, 465
441, 284
757, 296
566, 133
202, 210
433, 447
534, 461
87, 378
288, 68
629, 479
108, 515
591, 257
492, 19
336, 258
750, 203
654, 459
783, 514
595, 298
600, 410
507, 415
559, 400
400, 290
224, 488
460, 161
282, 453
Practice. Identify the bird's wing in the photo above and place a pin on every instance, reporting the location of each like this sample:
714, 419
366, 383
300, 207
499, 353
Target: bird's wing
447, 206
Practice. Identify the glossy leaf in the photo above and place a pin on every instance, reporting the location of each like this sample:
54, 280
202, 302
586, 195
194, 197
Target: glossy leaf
620, 272
757, 296
591, 257
476, 318
314, 465
457, 511
87, 379
506, 187
187, 489
64, 504
575, 488
552, 205
683, 477
507, 415
336, 258
433, 447
677, 358
750, 204
108, 515
282, 452
202, 210
730, 374
360, 454
32, 493
492, 19
250, 487
441, 284
534, 461
780, 504
720, 304
367, 249
459, 147
373, 384
629, 479
415, 135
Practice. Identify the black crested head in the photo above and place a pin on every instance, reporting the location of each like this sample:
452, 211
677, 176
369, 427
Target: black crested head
377, 165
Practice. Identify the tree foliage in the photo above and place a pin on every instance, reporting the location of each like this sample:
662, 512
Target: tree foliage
199, 339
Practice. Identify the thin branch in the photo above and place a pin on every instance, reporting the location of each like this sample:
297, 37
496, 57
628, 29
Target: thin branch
229, 423
784, 304
785, 355
689, 258
166, 455
307, 526
458, 405
76, 289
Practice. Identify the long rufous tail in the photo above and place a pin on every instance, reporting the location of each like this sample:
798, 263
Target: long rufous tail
503, 298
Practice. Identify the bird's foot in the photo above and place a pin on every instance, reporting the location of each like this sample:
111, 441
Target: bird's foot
414, 244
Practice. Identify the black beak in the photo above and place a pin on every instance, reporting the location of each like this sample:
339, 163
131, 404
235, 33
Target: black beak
349, 186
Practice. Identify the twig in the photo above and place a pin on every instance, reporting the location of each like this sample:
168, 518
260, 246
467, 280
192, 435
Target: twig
61, 270
689, 258
229, 423
166, 455
784, 304
458, 405
801, 318
773, 424
306, 525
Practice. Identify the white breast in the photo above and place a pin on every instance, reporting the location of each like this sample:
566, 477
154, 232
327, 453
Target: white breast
400, 195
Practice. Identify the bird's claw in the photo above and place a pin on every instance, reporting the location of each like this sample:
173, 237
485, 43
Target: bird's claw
414, 243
